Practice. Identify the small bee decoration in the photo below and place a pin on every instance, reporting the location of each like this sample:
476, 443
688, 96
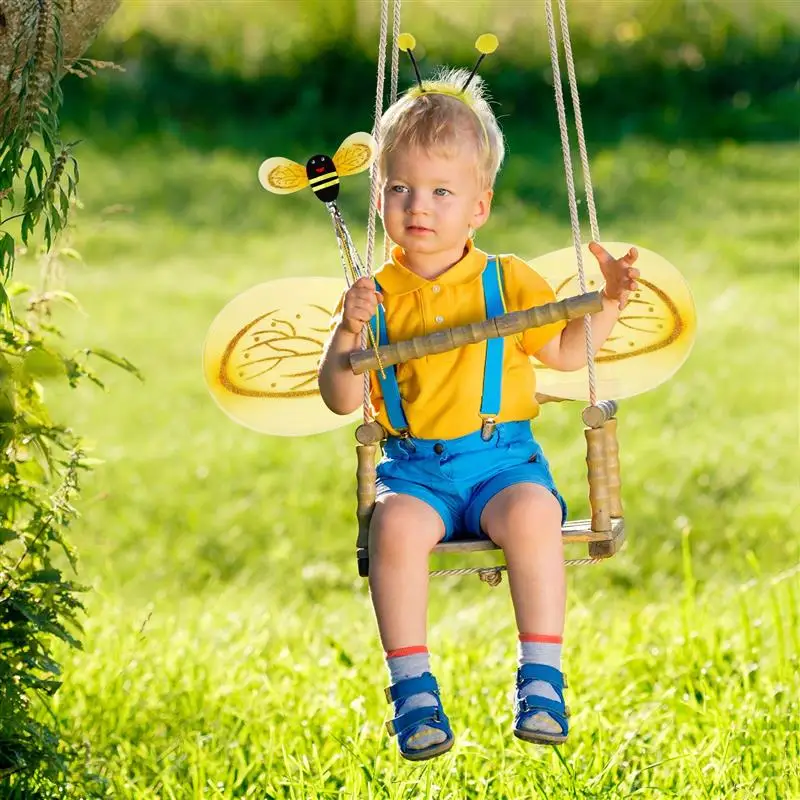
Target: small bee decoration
282, 176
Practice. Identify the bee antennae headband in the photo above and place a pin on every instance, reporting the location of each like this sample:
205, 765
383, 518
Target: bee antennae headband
486, 43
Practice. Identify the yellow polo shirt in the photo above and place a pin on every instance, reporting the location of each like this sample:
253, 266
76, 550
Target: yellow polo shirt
441, 394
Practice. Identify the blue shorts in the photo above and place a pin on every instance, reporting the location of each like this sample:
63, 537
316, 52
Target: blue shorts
458, 477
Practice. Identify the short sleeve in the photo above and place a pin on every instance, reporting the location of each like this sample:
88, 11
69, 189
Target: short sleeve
525, 288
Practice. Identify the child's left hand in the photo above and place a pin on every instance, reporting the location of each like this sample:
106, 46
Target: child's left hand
620, 274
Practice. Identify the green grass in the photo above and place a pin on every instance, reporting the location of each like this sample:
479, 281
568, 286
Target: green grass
230, 648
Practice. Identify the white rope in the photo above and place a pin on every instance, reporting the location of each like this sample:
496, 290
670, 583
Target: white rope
373, 183
576, 107
573, 203
373, 173
487, 573
395, 70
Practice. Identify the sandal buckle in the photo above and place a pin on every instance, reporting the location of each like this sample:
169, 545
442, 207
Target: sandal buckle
388, 694
390, 727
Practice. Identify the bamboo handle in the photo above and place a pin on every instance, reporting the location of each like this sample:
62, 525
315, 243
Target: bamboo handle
612, 469
598, 479
365, 494
365, 491
452, 338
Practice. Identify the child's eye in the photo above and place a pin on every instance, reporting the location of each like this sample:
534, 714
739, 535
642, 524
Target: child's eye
398, 189
440, 192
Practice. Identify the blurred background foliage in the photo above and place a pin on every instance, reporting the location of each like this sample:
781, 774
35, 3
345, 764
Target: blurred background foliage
219, 73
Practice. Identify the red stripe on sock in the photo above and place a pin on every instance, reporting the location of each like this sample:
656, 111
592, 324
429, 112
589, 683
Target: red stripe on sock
540, 637
407, 651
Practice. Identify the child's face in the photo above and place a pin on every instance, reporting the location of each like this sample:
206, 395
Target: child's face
430, 201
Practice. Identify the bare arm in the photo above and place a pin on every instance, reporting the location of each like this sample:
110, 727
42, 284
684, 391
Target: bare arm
341, 390
567, 352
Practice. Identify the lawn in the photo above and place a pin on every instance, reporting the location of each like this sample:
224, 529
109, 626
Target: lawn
230, 649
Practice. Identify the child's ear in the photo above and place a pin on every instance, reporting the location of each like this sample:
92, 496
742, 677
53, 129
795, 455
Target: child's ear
482, 208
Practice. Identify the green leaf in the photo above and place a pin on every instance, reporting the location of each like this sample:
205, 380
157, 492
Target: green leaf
47, 138
16, 289
70, 252
120, 361
5, 305
27, 227
7, 535
89, 463
37, 165
45, 576
43, 624
67, 297
6, 243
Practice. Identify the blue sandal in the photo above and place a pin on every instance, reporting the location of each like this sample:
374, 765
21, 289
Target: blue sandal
527, 707
406, 725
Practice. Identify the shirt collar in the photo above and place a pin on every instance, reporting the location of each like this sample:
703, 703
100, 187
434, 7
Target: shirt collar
396, 278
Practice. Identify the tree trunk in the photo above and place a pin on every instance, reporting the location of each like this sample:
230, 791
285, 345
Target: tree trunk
22, 21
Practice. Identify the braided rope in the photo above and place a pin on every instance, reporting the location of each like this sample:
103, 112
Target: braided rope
573, 203
373, 184
373, 173
486, 573
576, 107
395, 71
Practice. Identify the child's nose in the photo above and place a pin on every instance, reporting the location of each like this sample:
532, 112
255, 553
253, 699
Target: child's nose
416, 203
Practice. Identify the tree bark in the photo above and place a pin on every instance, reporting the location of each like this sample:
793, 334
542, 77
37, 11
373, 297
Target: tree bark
81, 21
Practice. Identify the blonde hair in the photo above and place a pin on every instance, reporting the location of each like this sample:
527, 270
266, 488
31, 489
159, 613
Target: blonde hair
442, 117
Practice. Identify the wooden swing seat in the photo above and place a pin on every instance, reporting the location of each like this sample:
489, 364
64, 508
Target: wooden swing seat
604, 532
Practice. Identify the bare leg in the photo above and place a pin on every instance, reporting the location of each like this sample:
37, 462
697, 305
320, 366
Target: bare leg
403, 533
525, 521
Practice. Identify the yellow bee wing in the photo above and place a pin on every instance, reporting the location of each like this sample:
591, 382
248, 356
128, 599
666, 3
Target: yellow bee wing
261, 355
355, 154
282, 176
651, 339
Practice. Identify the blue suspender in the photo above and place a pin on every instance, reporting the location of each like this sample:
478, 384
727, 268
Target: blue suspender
388, 381
493, 364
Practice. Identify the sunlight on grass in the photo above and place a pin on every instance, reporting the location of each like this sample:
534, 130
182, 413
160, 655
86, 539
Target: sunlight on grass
230, 647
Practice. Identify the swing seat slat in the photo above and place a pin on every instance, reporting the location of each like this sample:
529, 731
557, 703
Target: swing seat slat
579, 530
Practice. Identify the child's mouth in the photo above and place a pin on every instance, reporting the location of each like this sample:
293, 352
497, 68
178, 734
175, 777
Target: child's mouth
418, 229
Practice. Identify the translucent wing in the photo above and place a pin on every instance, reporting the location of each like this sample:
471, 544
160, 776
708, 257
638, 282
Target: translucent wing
649, 343
282, 176
261, 354
355, 154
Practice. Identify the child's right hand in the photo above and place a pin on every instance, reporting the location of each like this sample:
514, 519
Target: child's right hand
360, 304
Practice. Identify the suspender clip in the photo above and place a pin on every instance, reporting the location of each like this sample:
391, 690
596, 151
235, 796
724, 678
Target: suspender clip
487, 428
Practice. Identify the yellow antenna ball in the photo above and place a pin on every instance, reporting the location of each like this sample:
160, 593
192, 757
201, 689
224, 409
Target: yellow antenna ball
486, 43
406, 42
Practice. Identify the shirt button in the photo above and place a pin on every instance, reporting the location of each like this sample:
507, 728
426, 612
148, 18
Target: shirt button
439, 320
438, 448
436, 289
